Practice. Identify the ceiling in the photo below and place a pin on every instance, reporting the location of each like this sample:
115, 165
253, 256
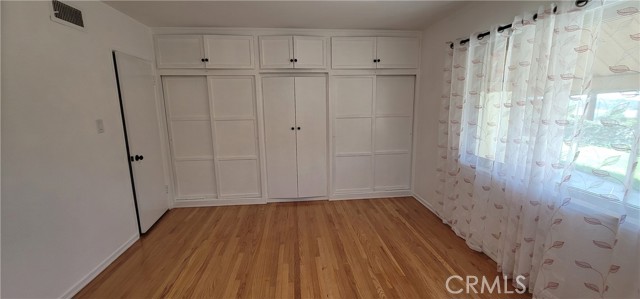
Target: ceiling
402, 15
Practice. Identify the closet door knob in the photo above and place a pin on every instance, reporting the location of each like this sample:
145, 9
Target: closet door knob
291, 60
295, 60
378, 60
292, 128
298, 128
202, 59
207, 60
138, 157
375, 60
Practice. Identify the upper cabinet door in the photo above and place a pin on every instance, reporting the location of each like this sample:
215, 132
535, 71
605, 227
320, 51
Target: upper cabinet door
229, 52
179, 51
353, 52
276, 52
398, 52
309, 52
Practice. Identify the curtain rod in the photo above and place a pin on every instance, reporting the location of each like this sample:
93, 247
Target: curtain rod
579, 3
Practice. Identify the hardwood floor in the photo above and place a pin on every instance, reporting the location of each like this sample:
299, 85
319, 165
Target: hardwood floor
375, 248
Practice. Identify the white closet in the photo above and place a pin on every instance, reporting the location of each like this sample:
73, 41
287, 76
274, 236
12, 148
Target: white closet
295, 113
288, 52
374, 52
213, 136
373, 118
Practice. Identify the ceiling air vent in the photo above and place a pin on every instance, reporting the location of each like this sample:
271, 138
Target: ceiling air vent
67, 15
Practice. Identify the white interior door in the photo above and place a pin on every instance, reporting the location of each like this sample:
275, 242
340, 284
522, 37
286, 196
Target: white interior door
309, 52
138, 101
276, 52
311, 127
280, 136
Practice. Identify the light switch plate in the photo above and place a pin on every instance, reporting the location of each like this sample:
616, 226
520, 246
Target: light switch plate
100, 126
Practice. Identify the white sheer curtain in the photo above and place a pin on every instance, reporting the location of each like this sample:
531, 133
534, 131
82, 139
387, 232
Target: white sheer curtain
537, 166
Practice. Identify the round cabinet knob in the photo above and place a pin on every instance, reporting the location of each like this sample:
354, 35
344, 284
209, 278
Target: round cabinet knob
298, 128
139, 157
295, 60
291, 60
292, 128
202, 59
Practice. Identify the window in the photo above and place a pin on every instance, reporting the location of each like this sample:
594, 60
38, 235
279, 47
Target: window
608, 147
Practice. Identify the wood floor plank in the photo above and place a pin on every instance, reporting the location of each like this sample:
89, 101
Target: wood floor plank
377, 248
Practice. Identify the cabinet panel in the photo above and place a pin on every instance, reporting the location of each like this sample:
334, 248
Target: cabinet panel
393, 134
179, 51
195, 179
239, 178
353, 174
186, 96
237, 138
311, 113
309, 51
232, 97
353, 52
394, 95
276, 52
353, 135
280, 139
353, 96
191, 139
392, 172
398, 52
229, 51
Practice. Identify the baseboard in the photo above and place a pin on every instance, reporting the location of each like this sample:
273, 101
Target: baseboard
98, 269
424, 202
192, 203
379, 194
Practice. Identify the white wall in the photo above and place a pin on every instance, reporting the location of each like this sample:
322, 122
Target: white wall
67, 204
474, 17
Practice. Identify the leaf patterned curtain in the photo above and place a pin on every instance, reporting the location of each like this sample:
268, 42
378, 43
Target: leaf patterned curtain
538, 149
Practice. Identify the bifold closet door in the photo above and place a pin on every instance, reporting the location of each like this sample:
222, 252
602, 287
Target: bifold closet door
311, 125
280, 136
232, 100
189, 120
393, 132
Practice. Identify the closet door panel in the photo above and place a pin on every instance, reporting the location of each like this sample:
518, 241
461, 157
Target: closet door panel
236, 138
280, 139
353, 52
393, 134
179, 51
394, 95
233, 97
398, 52
195, 179
186, 96
353, 174
276, 52
353, 135
353, 96
311, 114
309, 51
392, 172
239, 178
192, 139
229, 51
